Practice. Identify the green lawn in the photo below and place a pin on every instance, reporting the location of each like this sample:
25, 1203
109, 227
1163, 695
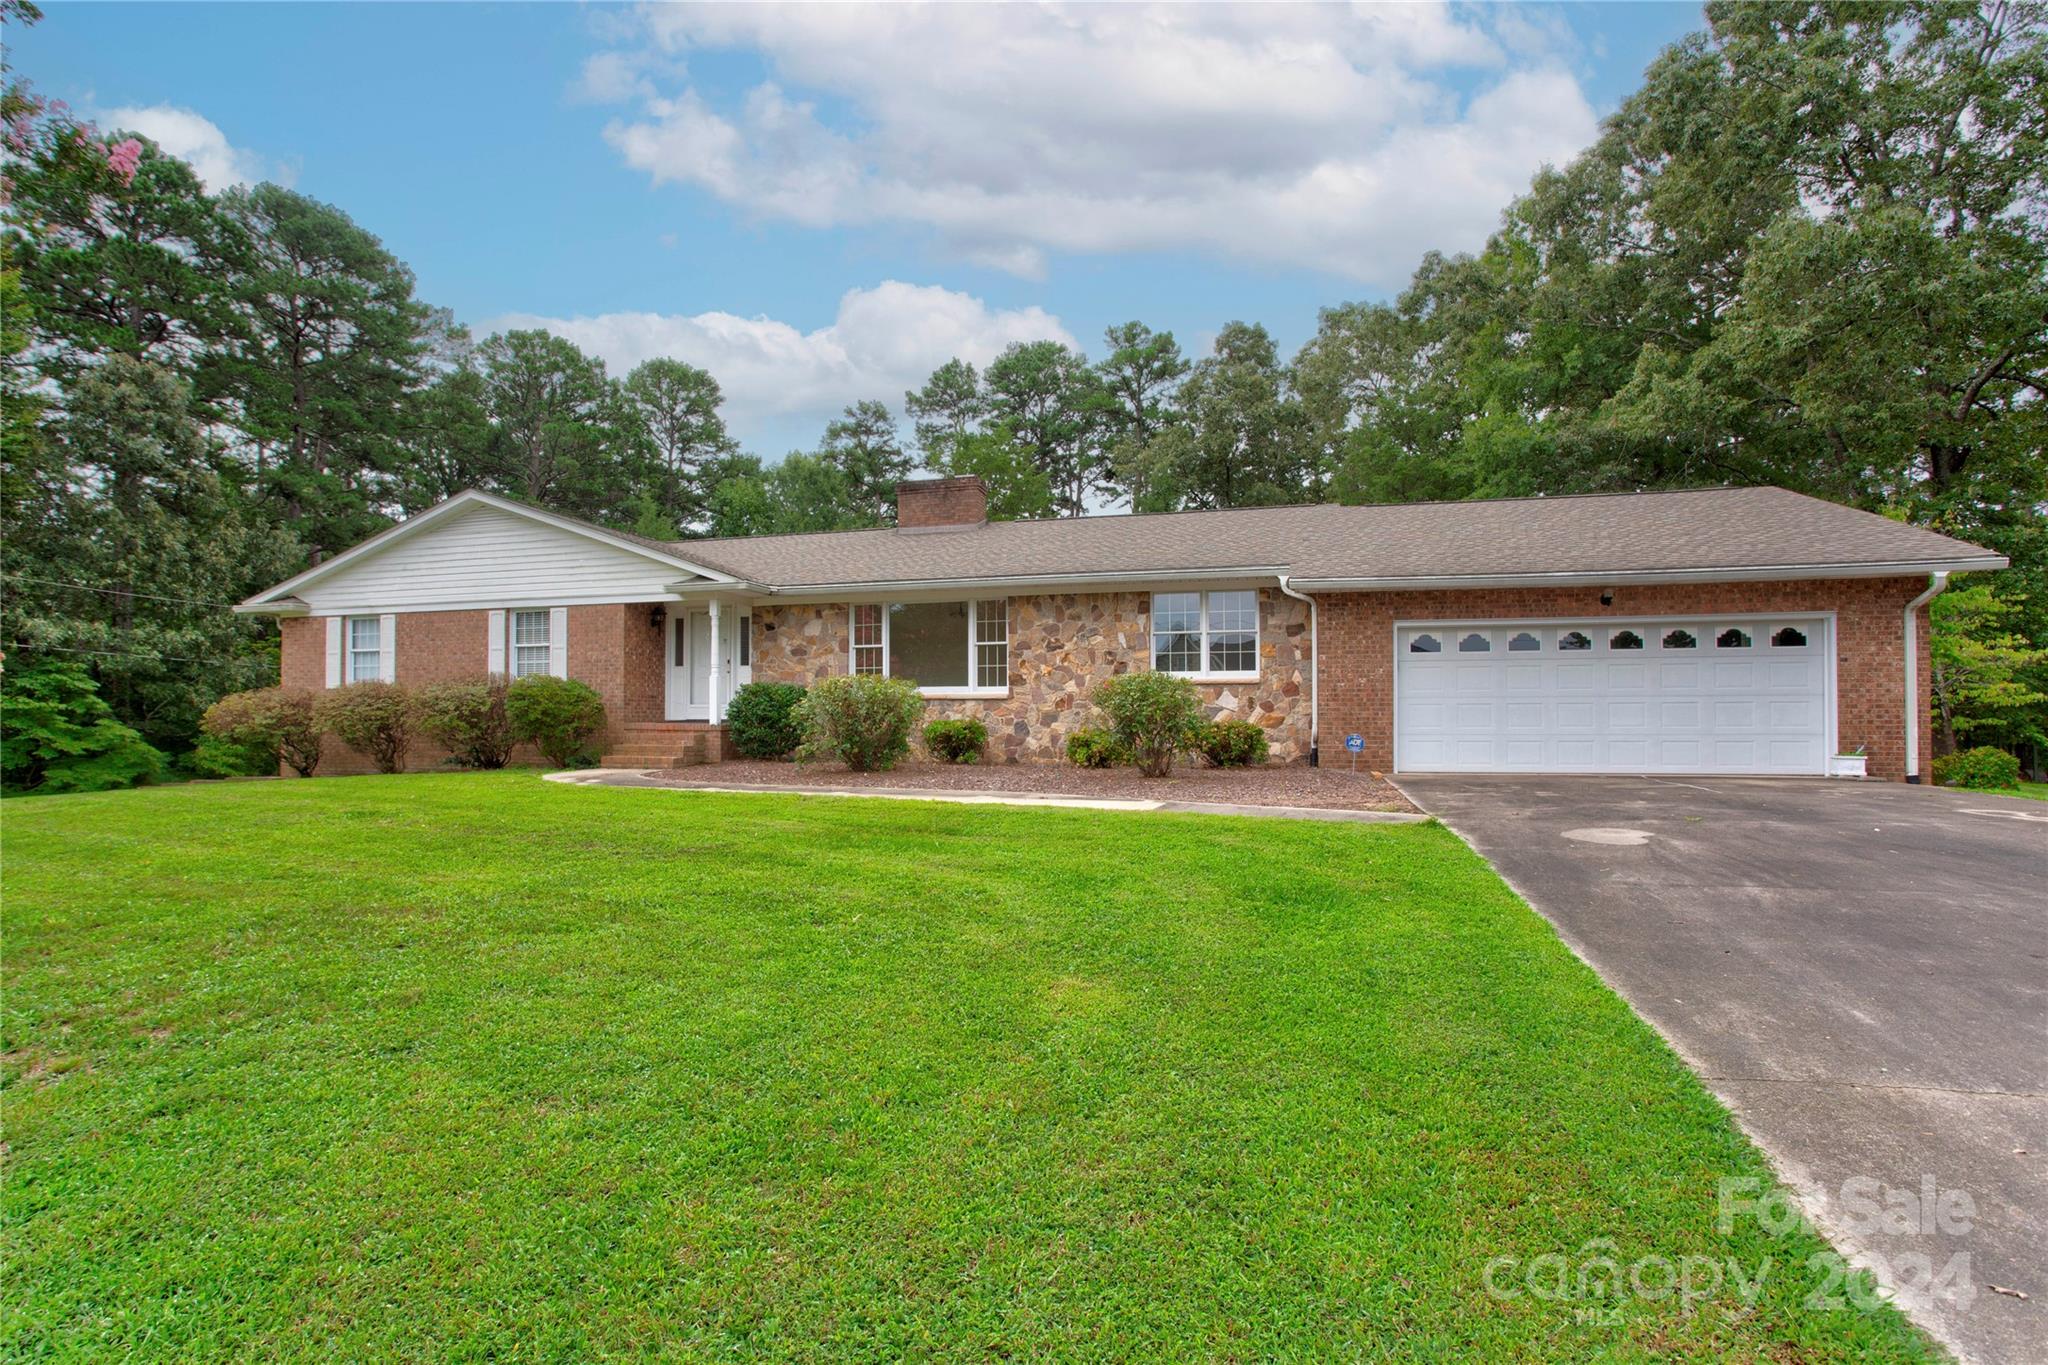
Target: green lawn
482, 1067
2033, 791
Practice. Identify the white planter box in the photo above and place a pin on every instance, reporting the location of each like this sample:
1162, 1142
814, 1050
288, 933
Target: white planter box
1847, 765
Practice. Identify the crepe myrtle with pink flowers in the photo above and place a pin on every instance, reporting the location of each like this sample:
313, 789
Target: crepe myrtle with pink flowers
32, 126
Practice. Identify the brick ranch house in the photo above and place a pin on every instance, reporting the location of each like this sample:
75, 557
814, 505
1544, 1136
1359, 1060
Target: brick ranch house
1741, 630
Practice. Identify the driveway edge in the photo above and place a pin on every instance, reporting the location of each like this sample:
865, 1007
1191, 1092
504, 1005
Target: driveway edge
1791, 1172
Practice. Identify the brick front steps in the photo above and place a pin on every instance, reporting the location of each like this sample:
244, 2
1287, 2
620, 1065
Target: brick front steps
666, 744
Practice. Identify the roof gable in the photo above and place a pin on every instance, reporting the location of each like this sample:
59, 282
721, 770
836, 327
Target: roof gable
477, 549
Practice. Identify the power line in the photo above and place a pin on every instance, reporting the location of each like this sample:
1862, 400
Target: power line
116, 654
120, 592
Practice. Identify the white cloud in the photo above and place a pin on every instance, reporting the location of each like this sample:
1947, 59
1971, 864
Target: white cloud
619, 76
196, 140
781, 384
1345, 139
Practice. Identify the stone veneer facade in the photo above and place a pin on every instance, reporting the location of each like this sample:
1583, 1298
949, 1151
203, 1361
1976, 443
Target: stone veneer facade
1061, 646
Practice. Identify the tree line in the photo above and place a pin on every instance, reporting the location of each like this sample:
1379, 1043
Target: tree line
1811, 250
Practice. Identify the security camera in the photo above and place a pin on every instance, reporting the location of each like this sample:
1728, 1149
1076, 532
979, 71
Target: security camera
1607, 597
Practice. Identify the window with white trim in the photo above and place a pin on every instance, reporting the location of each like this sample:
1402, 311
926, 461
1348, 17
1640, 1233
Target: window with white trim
365, 649
1206, 633
992, 643
870, 654
940, 646
531, 645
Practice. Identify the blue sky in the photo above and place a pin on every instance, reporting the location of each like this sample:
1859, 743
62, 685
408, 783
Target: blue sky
819, 204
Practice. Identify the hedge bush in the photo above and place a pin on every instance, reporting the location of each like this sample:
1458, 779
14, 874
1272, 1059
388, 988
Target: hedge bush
765, 720
1090, 747
469, 720
558, 716
862, 720
1232, 743
275, 720
373, 718
956, 741
1980, 769
1156, 715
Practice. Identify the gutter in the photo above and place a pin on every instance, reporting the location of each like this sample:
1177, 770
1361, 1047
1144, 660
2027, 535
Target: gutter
1585, 579
1935, 583
1315, 668
1107, 579
285, 606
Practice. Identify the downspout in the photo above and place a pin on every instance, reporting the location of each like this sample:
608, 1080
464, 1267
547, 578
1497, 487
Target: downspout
1935, 583
1315, 666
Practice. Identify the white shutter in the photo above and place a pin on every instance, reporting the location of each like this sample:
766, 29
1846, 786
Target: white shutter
387, 648
334, 628
494, 626
558, 642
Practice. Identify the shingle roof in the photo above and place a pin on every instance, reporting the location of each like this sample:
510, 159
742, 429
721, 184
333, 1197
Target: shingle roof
1739, 530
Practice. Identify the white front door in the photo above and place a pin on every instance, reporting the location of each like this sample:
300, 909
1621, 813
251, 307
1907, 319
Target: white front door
698, 699
1677, 695
688, 655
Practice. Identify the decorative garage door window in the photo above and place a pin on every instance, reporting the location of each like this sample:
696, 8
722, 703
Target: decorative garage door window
1686, 696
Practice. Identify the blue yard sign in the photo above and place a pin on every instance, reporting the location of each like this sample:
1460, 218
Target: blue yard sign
1355, 743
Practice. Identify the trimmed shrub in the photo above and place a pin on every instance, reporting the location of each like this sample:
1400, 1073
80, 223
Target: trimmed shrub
373, 718
58, 735
1089, 747
559, 716
1156, 715
1981, 769
1232, 743
956, 741
269, 720
469, 720
765, 720
863, 721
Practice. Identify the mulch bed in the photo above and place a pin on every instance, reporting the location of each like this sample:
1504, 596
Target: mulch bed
1290, 784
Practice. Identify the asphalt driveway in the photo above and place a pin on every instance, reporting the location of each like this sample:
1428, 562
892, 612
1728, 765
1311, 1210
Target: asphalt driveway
1859, 970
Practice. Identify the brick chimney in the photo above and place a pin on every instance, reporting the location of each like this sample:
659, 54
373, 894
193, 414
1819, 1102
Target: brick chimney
941, 504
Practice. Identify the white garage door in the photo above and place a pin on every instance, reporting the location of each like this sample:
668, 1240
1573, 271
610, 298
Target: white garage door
1660, 696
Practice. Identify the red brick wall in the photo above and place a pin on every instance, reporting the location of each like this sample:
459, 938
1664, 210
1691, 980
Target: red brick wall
1356, 637
612, 647
958, 501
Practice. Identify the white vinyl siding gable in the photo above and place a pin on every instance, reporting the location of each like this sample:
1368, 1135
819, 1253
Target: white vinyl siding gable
487, 557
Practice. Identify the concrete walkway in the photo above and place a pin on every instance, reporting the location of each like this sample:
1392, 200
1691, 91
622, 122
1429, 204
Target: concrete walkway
645, 777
